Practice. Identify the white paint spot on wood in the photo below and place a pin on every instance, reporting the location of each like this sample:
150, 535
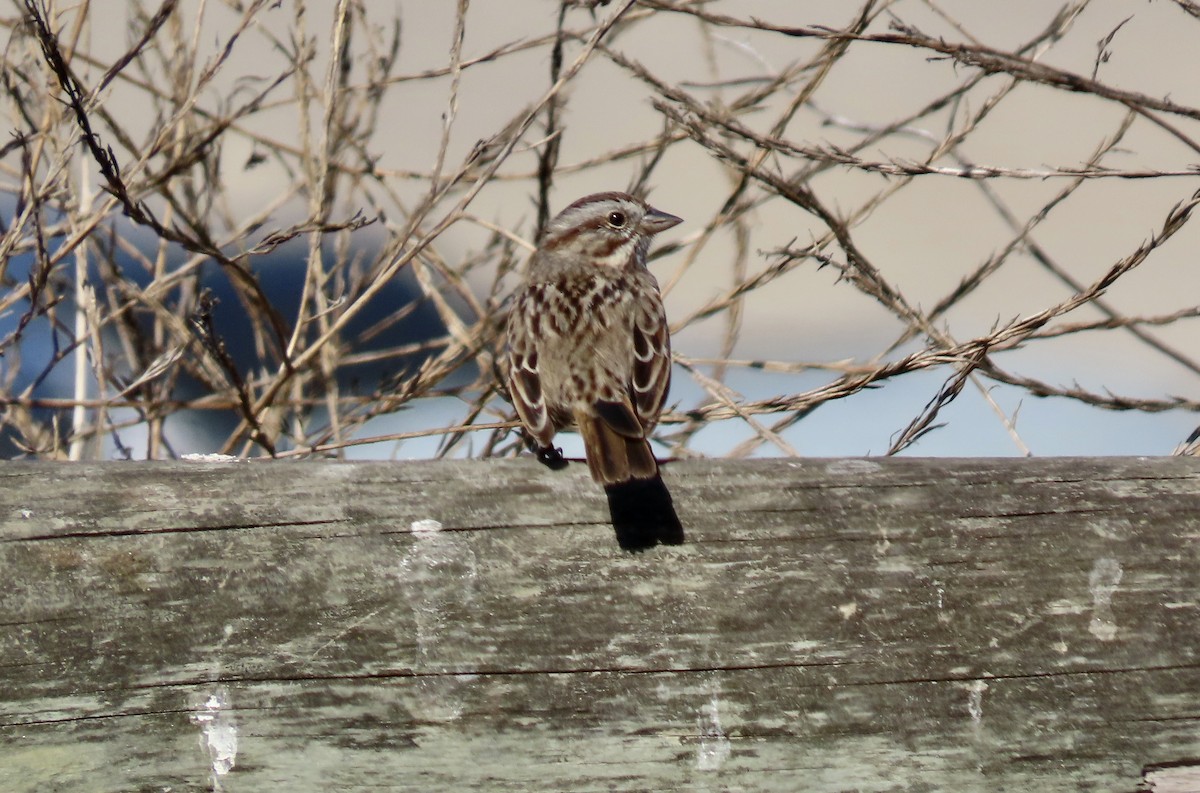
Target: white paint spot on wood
218, 735
939, 592
425, 526
852, 468
1103, 581
975, 701
1183, 778
883, 544
713, 748
438, 577
211, 458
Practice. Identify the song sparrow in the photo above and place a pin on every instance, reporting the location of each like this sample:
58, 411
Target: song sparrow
589, 349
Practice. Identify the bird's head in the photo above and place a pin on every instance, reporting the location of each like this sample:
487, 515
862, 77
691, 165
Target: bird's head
606, 229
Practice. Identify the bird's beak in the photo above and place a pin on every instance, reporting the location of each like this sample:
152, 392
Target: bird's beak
656, 220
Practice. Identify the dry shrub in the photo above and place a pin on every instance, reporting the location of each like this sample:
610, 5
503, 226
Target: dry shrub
147, 173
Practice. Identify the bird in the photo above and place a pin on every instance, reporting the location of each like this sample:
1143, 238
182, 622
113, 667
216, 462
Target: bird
589, 349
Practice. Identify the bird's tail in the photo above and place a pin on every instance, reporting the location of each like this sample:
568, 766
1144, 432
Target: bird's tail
638, 501
643, 514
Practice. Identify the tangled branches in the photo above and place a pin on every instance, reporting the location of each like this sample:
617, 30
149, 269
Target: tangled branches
305, 225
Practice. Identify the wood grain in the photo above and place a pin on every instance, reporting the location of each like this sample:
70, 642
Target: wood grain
831, 625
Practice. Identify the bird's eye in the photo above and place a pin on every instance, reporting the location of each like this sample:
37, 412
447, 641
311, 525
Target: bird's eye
616, 219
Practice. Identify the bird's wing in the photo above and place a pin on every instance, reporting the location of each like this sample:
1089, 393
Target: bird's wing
524, 380
651, 378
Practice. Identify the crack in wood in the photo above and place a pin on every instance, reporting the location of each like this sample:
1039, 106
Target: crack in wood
139, 532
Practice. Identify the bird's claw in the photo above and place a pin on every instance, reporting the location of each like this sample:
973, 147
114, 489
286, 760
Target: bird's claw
552, 458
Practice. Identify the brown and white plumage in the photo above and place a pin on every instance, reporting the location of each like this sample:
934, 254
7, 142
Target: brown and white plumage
589, 349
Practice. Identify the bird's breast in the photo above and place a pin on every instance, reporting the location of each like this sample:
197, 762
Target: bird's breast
584, 339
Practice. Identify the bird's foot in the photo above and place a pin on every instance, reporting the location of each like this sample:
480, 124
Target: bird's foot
552, 458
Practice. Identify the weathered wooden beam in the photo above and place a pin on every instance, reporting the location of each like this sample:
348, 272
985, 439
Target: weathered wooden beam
831, 625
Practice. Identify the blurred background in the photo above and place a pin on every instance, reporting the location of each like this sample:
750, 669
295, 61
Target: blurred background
289, 228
